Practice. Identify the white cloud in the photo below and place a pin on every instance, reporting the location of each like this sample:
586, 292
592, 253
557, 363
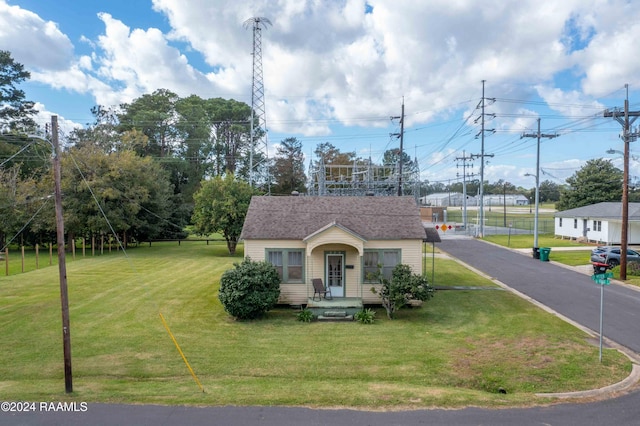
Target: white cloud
330, 63
43, 119
48, 48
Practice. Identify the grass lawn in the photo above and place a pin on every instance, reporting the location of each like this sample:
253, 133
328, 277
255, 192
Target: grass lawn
456, 350
526, 241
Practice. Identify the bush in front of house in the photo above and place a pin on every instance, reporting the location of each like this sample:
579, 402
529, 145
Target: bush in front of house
365, 316
250, 289
403, 287
305, 315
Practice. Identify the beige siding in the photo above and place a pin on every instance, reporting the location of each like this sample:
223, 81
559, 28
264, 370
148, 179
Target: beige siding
338, 241
411, 251
334, 236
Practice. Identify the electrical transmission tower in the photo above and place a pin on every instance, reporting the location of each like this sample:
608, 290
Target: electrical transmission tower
258, 115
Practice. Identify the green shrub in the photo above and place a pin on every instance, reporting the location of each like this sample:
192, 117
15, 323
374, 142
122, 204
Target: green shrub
305, 315
633, 269
250, 289
403, 287
365, 316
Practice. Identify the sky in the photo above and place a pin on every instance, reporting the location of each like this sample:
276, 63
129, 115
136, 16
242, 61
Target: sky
337, 70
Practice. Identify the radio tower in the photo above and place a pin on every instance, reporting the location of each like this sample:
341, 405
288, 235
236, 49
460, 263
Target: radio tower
258, 116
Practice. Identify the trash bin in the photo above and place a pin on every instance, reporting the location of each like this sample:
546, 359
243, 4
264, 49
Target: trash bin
536, 253
544, 254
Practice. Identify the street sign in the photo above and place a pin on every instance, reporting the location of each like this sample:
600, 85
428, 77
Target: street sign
443, 227
602, 279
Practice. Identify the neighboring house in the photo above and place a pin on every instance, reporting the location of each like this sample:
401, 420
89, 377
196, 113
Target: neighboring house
600, 223
341, 240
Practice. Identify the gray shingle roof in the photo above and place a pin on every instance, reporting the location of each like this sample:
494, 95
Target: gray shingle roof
294, 218
606, 210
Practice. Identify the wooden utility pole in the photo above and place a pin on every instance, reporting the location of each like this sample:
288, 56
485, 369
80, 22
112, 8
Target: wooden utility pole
62, 266
627, 136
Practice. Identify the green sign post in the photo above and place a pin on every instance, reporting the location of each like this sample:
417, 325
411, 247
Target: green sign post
602, 280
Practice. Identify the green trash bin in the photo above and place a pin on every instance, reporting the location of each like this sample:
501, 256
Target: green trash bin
544, 254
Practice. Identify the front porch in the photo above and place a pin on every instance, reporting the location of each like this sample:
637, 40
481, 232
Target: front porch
338, 307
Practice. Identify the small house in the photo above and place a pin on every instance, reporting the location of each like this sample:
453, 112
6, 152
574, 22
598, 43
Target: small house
600, 223
341, 240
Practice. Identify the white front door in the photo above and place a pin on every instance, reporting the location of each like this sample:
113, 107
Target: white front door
335, 273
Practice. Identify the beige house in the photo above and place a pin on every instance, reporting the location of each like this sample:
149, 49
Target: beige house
340, 240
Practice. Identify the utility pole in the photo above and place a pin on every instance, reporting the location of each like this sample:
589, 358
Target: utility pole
481, 191
401, 136
62, 267
537, 135
482, 155
627, 136
464, 160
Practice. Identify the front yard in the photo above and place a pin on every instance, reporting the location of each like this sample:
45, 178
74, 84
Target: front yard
459, 349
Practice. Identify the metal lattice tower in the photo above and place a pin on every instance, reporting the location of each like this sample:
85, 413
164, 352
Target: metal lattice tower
258, 115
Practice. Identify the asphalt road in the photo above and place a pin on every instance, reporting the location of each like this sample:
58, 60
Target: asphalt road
568, 292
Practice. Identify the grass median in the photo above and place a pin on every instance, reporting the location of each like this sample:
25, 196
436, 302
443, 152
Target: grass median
464, 347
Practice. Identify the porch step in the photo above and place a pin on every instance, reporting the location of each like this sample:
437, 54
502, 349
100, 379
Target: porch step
335, 316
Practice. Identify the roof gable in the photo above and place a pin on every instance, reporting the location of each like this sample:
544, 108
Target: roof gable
296, 218
333, 225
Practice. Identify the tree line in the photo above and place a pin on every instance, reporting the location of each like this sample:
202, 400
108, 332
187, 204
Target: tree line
150, 168
143, 170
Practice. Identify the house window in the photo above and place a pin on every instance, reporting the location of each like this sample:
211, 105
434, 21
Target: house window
597, 225
575, 223
289, 263
375, 261
560, 222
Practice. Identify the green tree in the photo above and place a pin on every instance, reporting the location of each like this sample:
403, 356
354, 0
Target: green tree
196, 146
16, 112
18, 199
499, 187
597, 181
250, 289
231, 126
332, 155
392, 156
221, 205
549, 192
16, 120
403, 287
155, 115
288, 169
118, 190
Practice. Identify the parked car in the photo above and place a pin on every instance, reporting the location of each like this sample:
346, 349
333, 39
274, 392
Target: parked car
611, 255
